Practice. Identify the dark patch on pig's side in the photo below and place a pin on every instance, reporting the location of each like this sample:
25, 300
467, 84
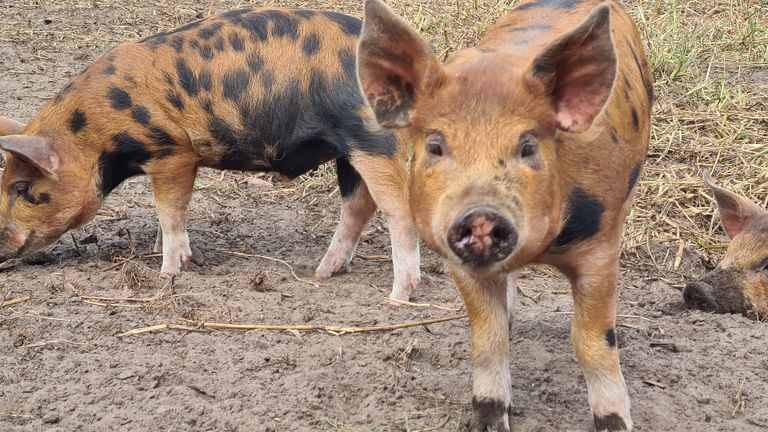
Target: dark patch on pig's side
254, 23
177, 43
206, 51
348, 62
64, 92
111, 69
236, 42
585, 213
187, 78
255, 62
205, 80
122, 162
633, 177
235, 84
486, 409
219, 44
610, 338
305, 14
77, 121
283, 24
119, 98
311, 45
267, 80
611, 422
549, 4
349, 179
161, 137
635, 120
175, 99
207, 33
207, 105
646, 80
141, 115
350, 25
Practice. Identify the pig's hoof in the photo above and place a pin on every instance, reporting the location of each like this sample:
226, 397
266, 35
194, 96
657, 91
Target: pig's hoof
490, 415
610, 423
197, 257
322, 273
402, 292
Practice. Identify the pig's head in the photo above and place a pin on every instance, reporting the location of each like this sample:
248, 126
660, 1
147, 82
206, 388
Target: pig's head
44, 189
739, 283
484, 186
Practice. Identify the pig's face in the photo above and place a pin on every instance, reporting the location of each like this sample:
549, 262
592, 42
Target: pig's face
43, 194
739, 283
482, 179
484, 185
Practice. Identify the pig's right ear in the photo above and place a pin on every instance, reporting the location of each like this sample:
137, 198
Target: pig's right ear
394, 65
9, 126
34, 150
736, 212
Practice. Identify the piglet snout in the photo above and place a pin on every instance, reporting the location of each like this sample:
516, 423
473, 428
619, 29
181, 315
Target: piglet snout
698, 295
482, 236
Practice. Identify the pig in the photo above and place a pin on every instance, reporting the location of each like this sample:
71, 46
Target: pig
526, 150
739, 283
253, 89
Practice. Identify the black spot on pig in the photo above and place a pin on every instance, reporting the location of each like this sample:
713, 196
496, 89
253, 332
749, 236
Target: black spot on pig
349, 179
175, 99
635, 120
77, 121
124, 161
549, 4
634, 176
141, 115
283, 24
255, 62
67, 89
585, 214
187, 78
610, 338
311, 44
119, 98
207, 33
236, 42
236, 84
351, 26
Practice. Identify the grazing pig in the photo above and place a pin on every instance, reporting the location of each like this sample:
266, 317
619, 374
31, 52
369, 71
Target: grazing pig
739, 283
527, 149
252, 89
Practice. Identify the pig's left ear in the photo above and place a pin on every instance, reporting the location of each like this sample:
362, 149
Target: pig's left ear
35, 150
394, 65
577, 71
736, 212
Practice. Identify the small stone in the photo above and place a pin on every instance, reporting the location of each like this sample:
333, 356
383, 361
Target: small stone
256, 183
51, 418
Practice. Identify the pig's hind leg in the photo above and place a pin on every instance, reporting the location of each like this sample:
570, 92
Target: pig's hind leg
357, 208
172, 189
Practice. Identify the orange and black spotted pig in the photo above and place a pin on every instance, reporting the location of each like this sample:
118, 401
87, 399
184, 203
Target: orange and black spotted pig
527, 148
251, 89
739, 283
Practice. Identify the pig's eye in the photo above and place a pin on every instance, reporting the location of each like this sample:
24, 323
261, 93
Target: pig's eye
765, 266
528, 145
435, 143
22, 188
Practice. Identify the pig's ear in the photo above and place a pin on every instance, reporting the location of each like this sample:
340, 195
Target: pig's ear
394, 65
34, 150
577, 71
9, 126
736, 212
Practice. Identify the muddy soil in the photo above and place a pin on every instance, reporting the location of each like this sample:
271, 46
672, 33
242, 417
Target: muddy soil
63, 366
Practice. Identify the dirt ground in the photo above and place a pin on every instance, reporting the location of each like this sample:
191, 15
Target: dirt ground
63, 367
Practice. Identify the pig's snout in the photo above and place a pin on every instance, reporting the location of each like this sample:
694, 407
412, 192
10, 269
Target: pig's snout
698, 295
482, 236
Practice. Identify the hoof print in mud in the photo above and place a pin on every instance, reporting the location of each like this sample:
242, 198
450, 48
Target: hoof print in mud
610, 423
490, 415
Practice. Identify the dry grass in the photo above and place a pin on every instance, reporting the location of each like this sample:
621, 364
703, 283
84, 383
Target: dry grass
710, 60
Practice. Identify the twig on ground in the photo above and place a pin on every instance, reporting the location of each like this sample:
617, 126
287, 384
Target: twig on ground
15, 301
277, 260
335, 330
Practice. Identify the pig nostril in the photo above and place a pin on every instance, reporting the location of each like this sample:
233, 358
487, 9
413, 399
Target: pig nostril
466, 233
500, 234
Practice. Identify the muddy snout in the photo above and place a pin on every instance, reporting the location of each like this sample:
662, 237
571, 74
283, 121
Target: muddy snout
699, 295
482, 235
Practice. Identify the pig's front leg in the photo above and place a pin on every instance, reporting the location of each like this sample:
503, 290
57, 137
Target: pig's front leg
486, 301
593, 332
173, 189
386, 178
